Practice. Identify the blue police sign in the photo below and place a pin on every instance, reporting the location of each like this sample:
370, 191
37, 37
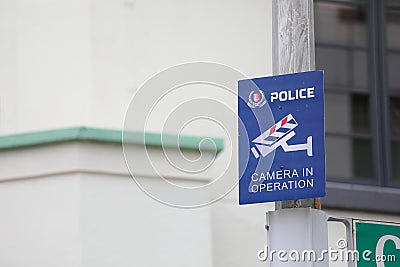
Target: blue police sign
281, 138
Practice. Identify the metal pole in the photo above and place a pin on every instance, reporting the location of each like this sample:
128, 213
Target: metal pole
297, 232
293, 50
295, 225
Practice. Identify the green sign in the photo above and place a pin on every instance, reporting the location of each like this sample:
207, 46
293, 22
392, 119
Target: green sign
377, 243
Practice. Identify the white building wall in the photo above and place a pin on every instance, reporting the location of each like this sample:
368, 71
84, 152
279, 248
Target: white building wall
121, 226
60, 211
69, 63
40, 225
48, 64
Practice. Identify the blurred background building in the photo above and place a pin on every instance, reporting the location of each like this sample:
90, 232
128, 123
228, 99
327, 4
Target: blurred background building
358, 46
68, 72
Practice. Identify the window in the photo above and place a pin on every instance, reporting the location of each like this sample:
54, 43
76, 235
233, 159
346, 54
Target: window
358, 46
392, 51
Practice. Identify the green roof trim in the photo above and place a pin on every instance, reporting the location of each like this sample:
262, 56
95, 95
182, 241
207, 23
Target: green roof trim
110, 136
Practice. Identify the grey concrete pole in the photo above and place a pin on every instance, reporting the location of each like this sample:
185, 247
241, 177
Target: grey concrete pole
293, 49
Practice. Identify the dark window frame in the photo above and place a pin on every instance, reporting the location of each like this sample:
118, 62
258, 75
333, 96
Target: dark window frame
353, 192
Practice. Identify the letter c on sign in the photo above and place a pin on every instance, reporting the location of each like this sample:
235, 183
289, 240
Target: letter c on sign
381, 244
